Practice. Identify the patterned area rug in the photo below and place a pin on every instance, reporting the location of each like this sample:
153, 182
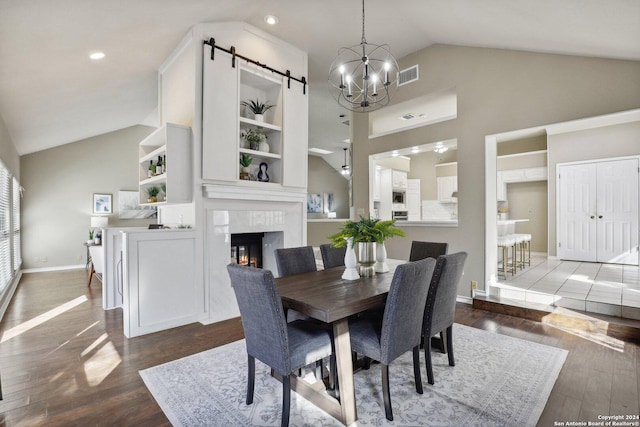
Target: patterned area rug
497, 381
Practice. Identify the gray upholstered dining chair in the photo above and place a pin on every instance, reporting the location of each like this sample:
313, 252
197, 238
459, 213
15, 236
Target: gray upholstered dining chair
332, 257
440, 309
298, 260
399, 330
285, 347
422, 250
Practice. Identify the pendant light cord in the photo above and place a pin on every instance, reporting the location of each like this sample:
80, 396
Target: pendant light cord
364, 41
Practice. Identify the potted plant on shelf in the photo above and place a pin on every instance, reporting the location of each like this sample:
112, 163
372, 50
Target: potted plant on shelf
152, 193
245, 162
257, 140
368, 235
258, 108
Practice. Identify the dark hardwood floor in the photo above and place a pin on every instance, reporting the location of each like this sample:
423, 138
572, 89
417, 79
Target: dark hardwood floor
64, 361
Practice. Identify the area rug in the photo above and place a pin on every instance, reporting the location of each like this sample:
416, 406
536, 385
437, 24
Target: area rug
497, 381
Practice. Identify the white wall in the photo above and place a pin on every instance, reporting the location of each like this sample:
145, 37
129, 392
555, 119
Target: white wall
59, 185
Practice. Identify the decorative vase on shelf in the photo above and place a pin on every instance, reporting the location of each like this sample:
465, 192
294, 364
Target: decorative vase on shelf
350, 262
264, 146
259, 117
381, 258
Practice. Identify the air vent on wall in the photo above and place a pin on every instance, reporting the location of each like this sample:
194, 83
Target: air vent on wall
408, 75
408, 116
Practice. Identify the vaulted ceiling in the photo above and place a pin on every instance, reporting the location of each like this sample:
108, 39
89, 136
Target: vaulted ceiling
51, 93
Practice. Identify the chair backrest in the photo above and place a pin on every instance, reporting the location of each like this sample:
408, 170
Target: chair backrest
422, 250
332, 257
292, 261
263, 320
404, 309
440, 309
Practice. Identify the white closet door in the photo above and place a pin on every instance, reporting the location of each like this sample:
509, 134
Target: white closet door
617, 229
577, 212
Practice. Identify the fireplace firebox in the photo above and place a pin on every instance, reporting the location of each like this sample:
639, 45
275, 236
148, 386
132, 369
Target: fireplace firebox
246, 249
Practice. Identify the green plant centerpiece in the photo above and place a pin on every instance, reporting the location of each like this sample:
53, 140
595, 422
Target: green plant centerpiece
258, 108
368, 236
253, 137
367, 230
152, 193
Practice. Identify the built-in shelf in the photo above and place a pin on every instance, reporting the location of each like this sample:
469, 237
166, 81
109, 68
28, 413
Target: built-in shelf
262, 125
256, 153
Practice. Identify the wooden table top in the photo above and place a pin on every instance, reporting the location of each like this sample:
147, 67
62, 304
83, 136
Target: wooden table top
325, 296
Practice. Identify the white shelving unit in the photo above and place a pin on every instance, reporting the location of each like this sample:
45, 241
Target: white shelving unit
264, 87
173, 143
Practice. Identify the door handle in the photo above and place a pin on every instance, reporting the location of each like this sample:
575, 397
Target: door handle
600, 216
593, 216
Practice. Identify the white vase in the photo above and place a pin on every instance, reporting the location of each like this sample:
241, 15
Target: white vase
264, 146
259, 117
350, 262
381, 258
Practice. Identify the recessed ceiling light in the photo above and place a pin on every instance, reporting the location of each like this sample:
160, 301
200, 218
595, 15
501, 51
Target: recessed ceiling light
271, 19
319, 151
415, 150
97, 55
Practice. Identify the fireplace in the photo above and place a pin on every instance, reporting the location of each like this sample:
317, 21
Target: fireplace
246, 249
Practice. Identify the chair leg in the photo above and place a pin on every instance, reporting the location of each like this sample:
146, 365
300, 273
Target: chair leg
251, 378
442, 342
366, 362
416, 369
427, 357
319, 374
452, 362
385, 392
286, 400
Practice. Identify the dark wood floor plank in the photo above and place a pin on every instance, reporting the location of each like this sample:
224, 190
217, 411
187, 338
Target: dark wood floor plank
75, 367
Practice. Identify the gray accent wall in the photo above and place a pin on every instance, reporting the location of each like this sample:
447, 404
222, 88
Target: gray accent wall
325, 179
497, 91
8, 153
59, 185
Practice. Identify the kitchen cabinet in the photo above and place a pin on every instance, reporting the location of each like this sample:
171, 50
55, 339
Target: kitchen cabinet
413, 199
376, 186
509, 176
447, 185
399, 179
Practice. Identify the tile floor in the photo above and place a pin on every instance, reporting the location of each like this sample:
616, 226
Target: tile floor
611, 289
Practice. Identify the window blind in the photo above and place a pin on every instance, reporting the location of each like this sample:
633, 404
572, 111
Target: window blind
5, 228
15, 220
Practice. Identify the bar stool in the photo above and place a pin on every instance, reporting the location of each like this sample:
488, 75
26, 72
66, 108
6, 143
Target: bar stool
504, 243
523, 243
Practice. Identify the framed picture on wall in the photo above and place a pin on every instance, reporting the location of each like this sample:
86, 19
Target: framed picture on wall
314, 203
329, 203
102, 203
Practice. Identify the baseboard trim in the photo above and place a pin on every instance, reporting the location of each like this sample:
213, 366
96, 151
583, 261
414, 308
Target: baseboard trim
464, 300
64, 267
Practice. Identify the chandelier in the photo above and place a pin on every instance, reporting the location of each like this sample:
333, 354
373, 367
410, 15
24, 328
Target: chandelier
363, 76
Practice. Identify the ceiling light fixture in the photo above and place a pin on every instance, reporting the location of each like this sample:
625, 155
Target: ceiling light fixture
346, 169
440, 149
271, 19
362, 77
97, 55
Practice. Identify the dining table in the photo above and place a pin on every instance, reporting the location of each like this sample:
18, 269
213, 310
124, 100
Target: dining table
323, 295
